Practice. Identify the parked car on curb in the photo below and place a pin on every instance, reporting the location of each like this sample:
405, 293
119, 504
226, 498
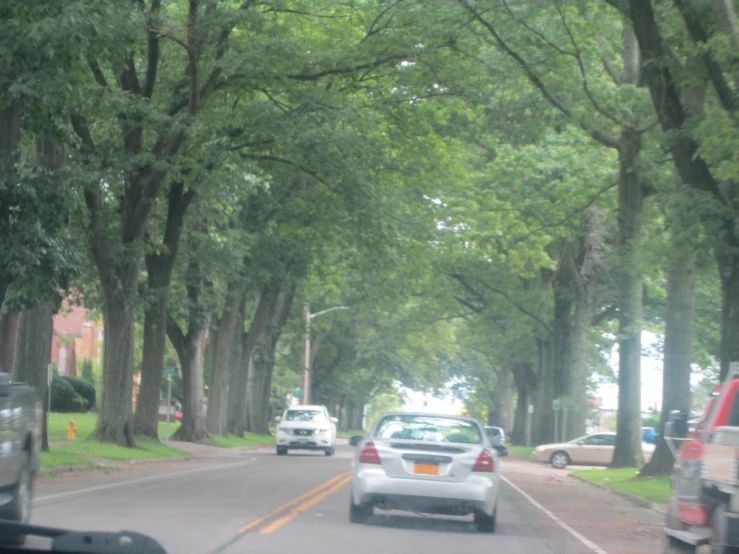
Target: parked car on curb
21, 417
595, 449
649, 435
496, 435
425, 463
306, 428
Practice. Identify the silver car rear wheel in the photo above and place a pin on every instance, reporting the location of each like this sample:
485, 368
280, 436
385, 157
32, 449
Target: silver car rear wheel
560, 459
361, 513
486, 523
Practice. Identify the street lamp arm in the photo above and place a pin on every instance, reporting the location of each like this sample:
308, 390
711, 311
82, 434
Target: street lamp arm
311, 316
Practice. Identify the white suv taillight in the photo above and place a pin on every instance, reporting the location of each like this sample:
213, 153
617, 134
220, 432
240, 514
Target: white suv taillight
369, 454
484, 462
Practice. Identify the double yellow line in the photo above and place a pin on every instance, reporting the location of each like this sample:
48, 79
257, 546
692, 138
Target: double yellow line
289, 510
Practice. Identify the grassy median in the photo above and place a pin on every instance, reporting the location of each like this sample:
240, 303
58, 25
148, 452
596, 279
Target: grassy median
525, 451
654, 489
85, 451
85, 424
350, 434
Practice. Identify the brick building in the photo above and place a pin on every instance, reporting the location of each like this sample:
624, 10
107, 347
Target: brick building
76, 338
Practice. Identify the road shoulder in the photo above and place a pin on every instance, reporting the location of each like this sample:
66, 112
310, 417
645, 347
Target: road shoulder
614, 524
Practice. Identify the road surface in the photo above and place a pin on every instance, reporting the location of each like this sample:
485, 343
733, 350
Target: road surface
257, 502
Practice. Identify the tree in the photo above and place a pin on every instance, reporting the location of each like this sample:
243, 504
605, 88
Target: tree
159, 268
691, 151
33, 352
613, 127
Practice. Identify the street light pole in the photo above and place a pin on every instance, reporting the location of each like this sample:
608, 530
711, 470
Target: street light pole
306, 374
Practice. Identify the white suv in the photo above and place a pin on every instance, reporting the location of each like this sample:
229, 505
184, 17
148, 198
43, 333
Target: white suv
306, 428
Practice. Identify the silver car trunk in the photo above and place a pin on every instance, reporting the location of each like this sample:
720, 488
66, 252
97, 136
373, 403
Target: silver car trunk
427, 460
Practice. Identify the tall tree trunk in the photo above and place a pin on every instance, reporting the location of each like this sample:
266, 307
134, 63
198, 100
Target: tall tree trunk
678, 355
262, 316
10, 137
190, 349
115, 415
526, 383
8, 334
505, 386
264, 362
215, 419
191, 353
159, 266
357, 416
518, 433
237, 376
33, 352
584, 274
504, 400
728, 264
543, 418
237, 384
577, 393
628, 452
561, 327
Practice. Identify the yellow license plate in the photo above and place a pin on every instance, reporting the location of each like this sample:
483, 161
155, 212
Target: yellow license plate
426, 469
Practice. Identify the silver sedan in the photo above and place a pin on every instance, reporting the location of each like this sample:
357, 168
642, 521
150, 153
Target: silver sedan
425, 463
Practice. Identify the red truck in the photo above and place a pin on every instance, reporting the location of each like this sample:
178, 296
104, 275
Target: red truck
705, 507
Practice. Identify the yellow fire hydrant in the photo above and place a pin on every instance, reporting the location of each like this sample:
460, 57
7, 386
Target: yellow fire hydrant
71, 430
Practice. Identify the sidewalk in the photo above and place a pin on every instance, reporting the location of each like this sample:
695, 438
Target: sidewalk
615, 524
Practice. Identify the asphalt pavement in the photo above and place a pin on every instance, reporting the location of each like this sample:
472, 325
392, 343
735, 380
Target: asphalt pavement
256, 502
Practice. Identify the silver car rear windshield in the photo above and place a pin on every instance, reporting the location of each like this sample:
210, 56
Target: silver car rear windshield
304, 415
428, 428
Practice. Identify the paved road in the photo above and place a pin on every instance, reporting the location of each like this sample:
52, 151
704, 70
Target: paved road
256, 502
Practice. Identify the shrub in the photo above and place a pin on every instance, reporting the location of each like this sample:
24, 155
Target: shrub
64, 398
84, 389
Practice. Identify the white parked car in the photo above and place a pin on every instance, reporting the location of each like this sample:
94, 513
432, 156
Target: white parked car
425, 463
306, 428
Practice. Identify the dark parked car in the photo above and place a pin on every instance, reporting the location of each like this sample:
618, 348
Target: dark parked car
21, 414
496, 435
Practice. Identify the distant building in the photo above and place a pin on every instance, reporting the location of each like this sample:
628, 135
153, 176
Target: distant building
76, 337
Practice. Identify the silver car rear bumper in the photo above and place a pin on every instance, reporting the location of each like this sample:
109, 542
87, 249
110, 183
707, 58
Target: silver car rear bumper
371, 485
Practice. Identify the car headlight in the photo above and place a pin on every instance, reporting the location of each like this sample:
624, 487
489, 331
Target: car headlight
541, 449
323, 431
283, 429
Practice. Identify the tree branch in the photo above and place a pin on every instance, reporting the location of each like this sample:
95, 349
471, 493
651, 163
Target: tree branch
98, 74
700, 36
597, 135
152, 57
309, 77
175, 334
583, 73
569, 216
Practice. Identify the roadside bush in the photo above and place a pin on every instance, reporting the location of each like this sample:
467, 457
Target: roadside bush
64, 398
84, 389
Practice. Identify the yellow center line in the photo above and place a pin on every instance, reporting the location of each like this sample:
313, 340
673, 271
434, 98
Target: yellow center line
304, 506
293, 502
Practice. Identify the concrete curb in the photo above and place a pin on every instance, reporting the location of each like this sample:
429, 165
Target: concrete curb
642, 502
